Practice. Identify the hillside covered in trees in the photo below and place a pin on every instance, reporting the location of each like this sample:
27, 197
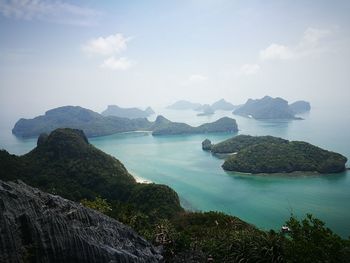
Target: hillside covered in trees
268, 154
65, 164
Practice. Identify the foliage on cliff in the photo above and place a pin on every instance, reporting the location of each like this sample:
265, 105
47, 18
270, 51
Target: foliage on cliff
64, 163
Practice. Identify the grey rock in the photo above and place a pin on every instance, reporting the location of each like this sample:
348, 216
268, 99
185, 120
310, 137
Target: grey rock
40, 227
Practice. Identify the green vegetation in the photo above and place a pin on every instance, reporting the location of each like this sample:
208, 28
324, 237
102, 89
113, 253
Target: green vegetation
99, 204
166, 127
285, 157
130, 113
239, 142
266, 108
268, 154
94, 124
311, 241
65, 163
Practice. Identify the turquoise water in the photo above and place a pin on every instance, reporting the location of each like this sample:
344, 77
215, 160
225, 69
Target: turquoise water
266, 201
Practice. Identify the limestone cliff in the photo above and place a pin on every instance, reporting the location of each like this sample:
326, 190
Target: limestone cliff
40, 227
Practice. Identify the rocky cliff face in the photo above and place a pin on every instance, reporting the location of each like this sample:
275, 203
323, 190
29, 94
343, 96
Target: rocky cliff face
40, 227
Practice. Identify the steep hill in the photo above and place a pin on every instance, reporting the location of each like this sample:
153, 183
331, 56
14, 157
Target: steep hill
65, 163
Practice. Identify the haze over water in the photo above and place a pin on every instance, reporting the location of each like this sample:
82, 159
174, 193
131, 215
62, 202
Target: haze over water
197, 176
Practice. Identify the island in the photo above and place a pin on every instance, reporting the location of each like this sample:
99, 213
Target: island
266, 108
184, 105
300, 106
94, 124
206, 110
223, 105
130, 113
268, 154
166, 127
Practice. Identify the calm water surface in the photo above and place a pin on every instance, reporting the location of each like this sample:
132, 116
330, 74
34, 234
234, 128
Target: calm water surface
197, 176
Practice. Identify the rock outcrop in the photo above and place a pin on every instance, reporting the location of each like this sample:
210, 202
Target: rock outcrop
40, 227
206, 145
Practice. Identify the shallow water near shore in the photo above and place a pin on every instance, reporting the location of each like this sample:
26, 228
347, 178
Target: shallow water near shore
264, 200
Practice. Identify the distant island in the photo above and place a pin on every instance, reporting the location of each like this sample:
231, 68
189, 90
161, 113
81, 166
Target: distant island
300, 106
206, 110
130, 113
184, 105
94, 124
163, 126
223, 105
187, 105
271, 108
268, 154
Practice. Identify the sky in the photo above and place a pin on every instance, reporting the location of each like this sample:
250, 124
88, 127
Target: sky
152, 53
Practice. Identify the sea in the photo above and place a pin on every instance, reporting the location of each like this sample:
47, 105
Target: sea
267, 201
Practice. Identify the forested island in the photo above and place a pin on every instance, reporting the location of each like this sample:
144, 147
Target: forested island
221, 104
130, 113
268, 154
94, 124
64, 163
272, 108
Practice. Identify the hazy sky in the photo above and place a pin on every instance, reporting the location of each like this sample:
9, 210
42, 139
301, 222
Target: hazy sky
140, 53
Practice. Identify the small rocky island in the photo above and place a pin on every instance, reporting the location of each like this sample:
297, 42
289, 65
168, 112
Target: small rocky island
268, 154
94, 124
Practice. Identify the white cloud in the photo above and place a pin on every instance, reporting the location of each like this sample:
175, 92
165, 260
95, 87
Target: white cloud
114, 63
107, 46
309, 44
276, 51
195, 78
312, 36
51, 11
249, 69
